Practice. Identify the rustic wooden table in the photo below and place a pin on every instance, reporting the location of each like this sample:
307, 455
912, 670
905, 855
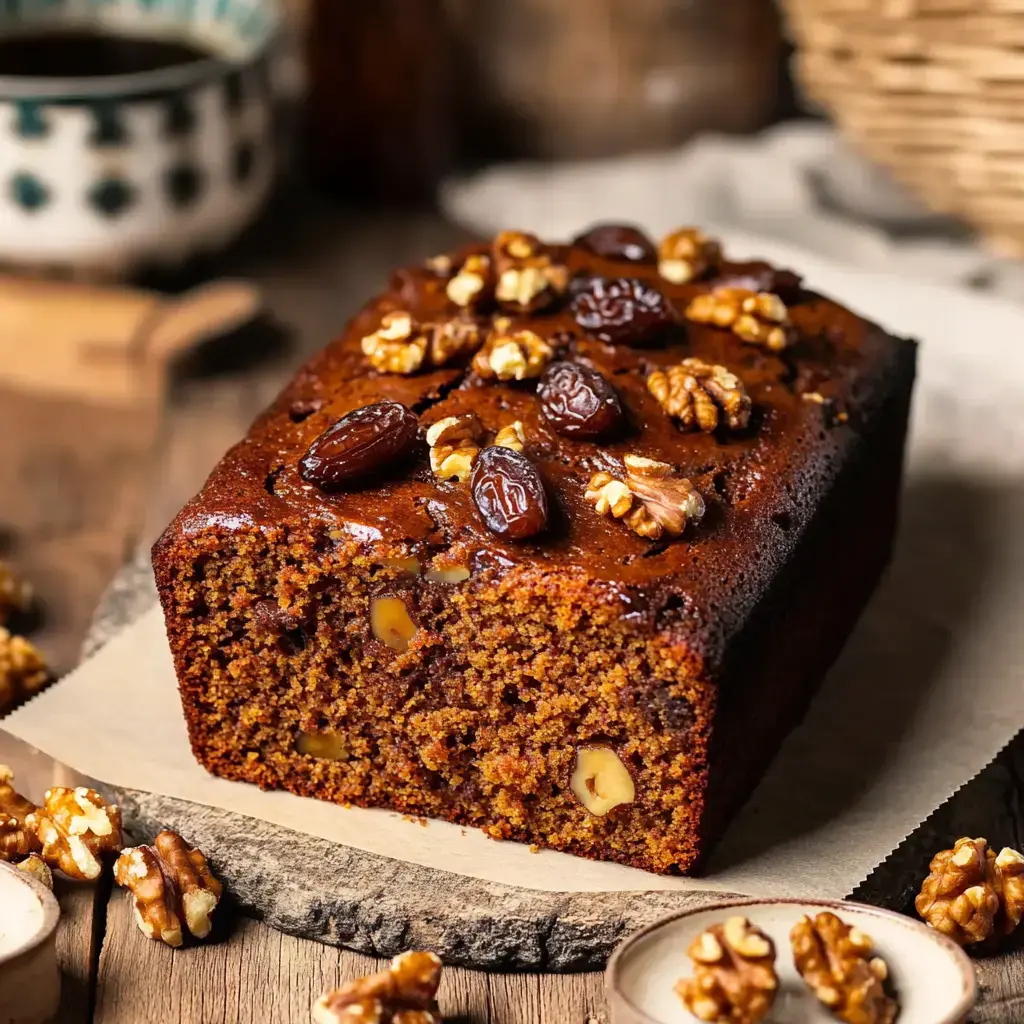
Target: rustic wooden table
316, 263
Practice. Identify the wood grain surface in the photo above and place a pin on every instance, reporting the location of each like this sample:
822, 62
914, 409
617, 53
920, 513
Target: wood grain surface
315, 265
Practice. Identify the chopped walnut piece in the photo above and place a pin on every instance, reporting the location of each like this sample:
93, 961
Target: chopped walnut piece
668, 499
172, 885
15, 593
609, 496
472, 285
440, 264
518, 355
960, 896
398, 345
452, 339
699, 395
733, 976
511, 436
454, 444
23, 671
528, 278
836, 963
652, 501
17, 838
600, 781
686, 254
759, 318
406, 993
76, 828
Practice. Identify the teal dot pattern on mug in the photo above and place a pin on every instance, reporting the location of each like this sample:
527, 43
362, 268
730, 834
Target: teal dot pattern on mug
111, 197
28, 192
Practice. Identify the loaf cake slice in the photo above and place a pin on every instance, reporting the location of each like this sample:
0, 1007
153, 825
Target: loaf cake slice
556, 541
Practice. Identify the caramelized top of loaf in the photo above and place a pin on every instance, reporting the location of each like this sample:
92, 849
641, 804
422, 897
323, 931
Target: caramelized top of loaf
809, 404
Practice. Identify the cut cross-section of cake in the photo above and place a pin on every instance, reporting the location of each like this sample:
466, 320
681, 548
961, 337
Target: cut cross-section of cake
585, 608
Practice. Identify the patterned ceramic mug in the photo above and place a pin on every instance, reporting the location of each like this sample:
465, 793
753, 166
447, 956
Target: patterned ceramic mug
102, 175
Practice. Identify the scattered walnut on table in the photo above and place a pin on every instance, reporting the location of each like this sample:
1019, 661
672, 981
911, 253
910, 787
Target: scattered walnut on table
17, 838
971, 894
454, 443
23, 671
35, 866
733, 976
758, 318
512, 355
399, 344
836, 963
960, 896
173, 888
686, 254
701, 395
76, 828
406, 993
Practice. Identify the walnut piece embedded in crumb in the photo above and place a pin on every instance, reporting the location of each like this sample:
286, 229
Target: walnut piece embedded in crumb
836, 963
15, 593
398, 345
686, 254
17, 838
733, 976
406, 993
960, 896
701, 395
759, 318
512, 355
454, 444
528, 278
23, 671
172, 886
76, 827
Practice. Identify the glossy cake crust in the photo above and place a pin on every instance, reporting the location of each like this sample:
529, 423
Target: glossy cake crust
689, 657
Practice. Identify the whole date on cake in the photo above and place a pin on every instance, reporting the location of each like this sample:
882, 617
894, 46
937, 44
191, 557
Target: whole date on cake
622, 311
509, 493
618, 242
578, 402
360, 445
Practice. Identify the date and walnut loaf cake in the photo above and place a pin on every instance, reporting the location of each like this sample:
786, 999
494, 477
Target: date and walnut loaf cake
555, 540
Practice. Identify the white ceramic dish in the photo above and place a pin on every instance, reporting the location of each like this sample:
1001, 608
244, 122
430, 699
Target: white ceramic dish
29, 978
933, 978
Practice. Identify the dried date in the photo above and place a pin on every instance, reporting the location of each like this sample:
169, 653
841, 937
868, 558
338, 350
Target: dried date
509, 494
618, 242
361, 444
622, 311
578, 402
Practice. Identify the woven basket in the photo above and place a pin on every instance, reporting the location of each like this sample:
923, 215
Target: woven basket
933, 90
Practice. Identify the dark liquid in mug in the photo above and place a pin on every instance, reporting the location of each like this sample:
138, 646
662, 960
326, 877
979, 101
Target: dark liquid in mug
83, 54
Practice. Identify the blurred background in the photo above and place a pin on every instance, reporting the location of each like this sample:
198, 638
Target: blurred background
194, 197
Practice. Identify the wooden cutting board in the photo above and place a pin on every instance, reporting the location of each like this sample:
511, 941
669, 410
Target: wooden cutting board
83, 378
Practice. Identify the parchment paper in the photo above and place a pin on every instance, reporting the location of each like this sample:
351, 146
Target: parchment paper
927, 690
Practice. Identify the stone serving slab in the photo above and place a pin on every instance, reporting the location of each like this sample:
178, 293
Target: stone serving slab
377, 905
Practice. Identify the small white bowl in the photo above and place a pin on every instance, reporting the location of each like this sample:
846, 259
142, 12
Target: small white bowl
933, 978
29, 977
